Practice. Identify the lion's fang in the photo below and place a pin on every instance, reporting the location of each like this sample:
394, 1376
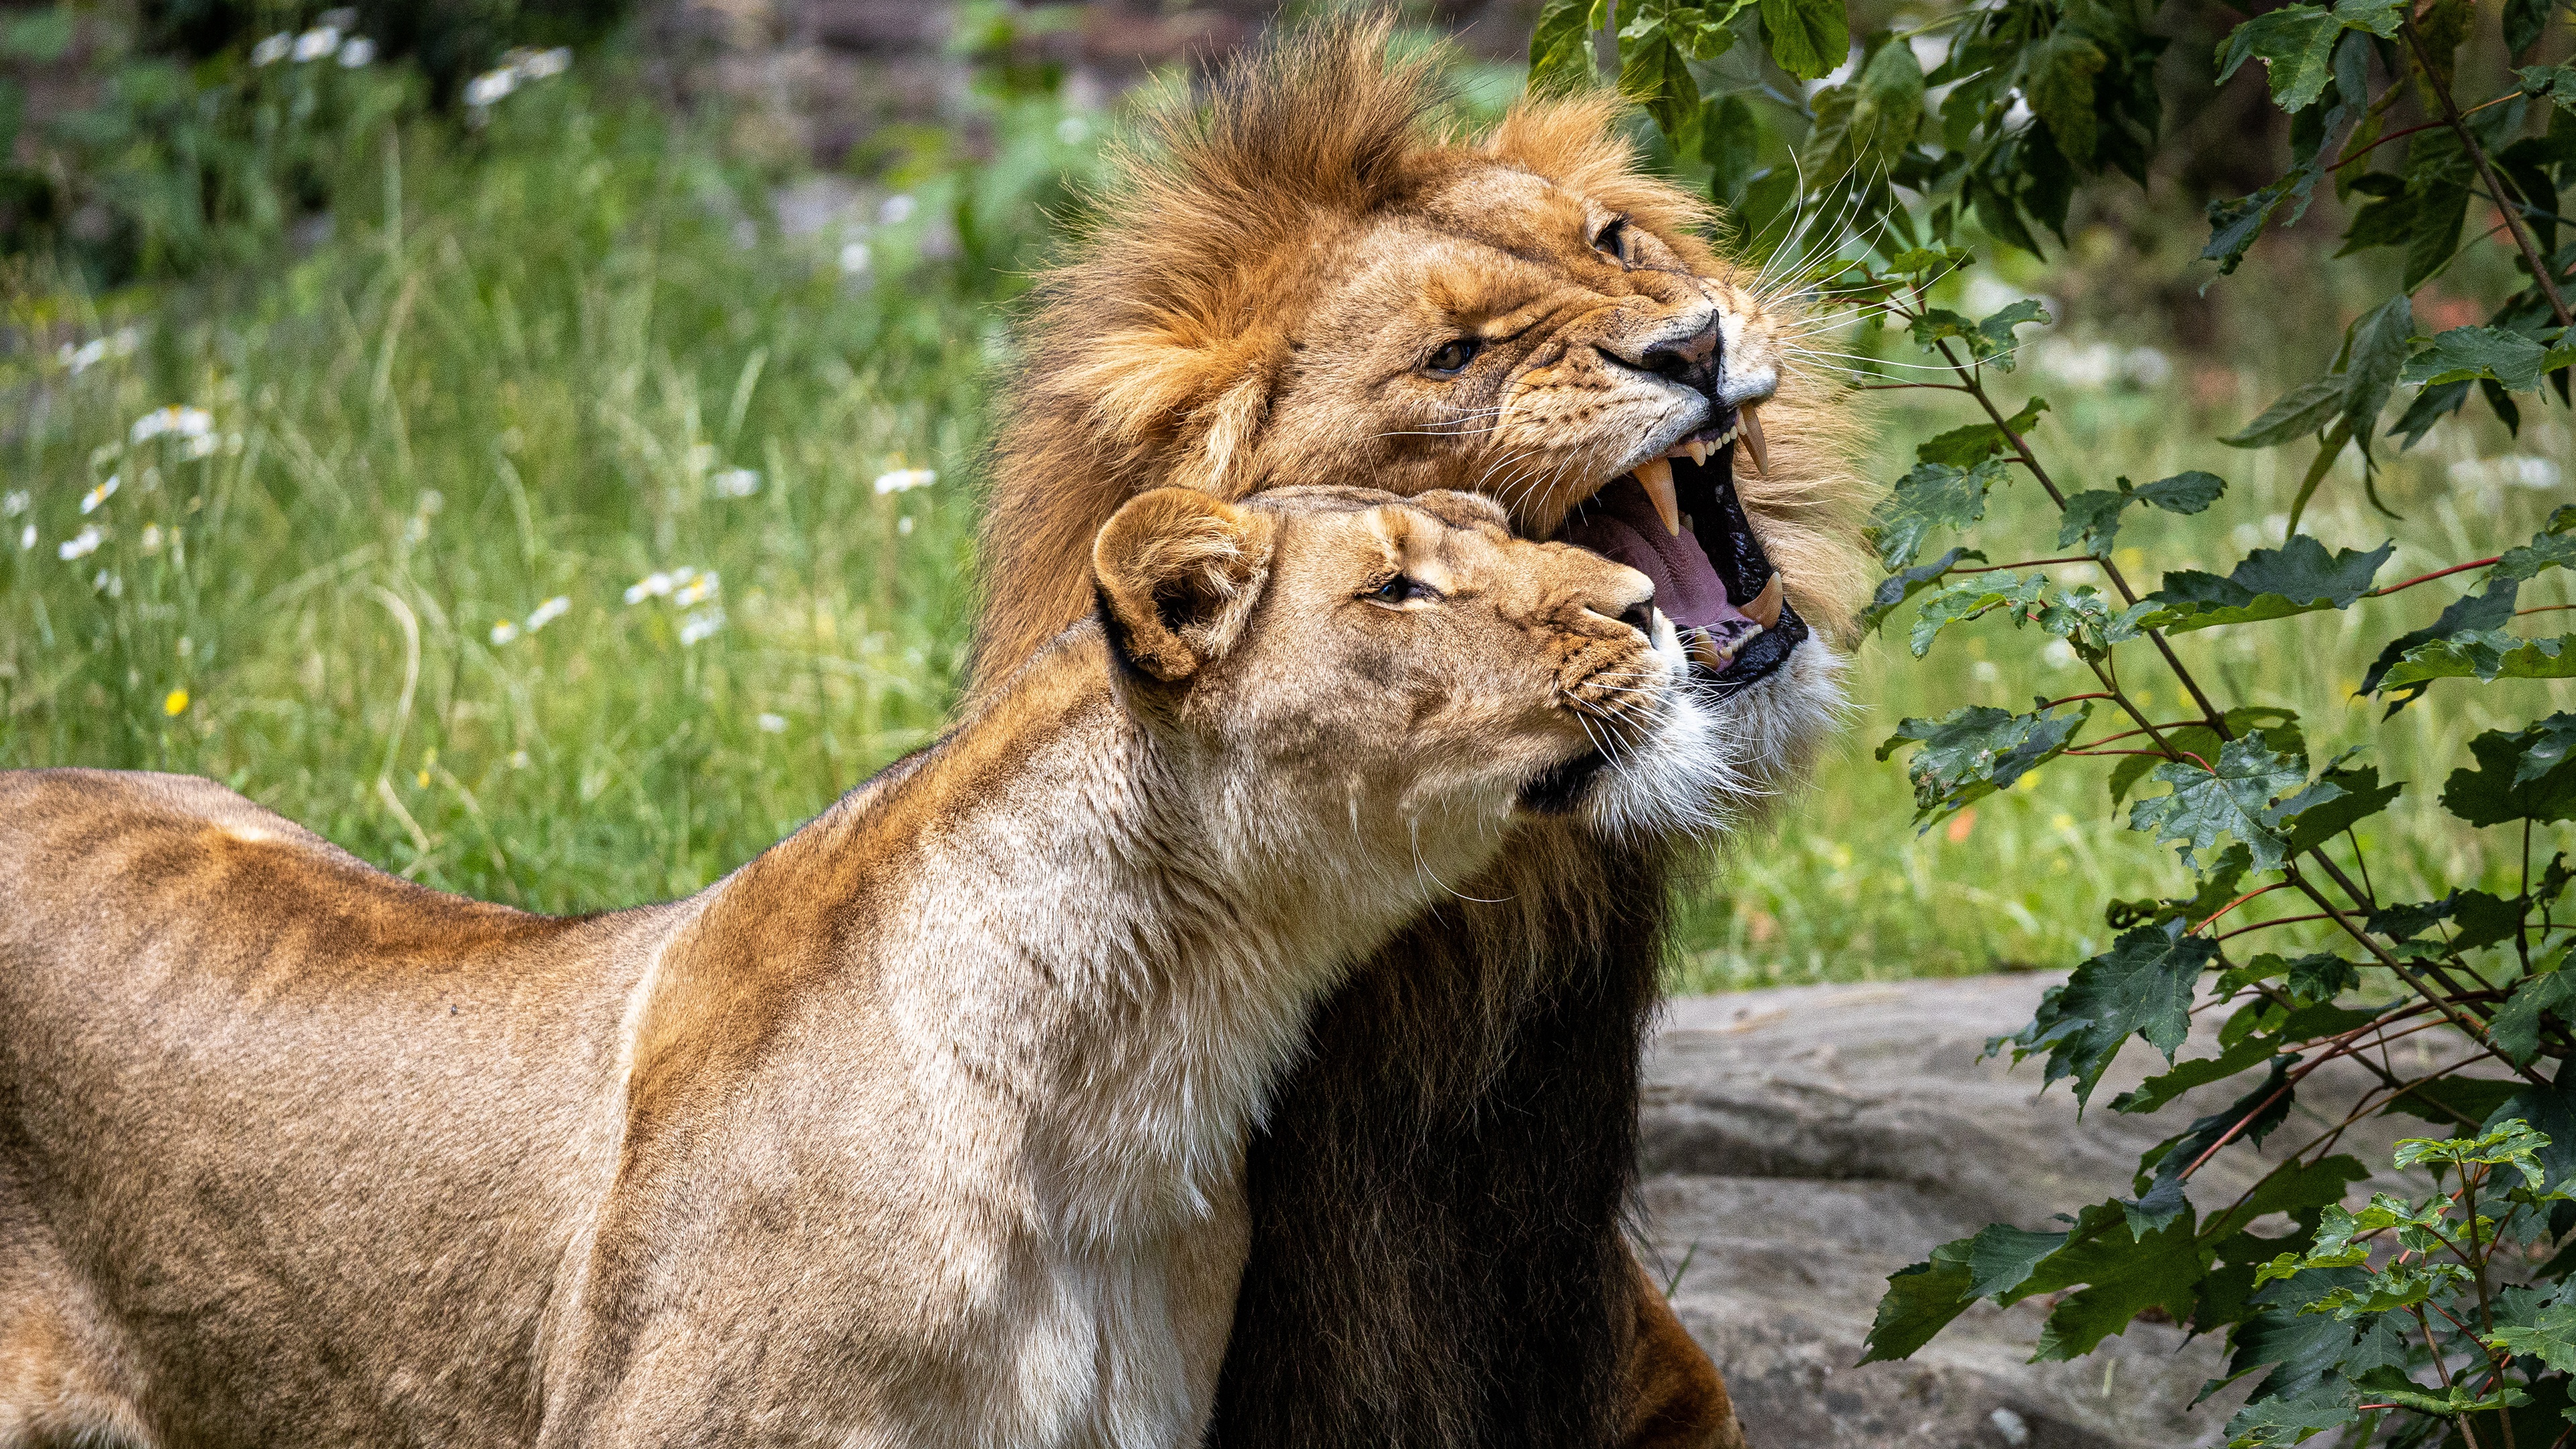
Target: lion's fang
1655, 475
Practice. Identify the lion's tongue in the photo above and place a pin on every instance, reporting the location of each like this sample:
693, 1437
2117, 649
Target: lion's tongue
1620, 523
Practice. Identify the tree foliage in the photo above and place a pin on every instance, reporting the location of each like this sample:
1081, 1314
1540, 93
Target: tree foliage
2402, 1320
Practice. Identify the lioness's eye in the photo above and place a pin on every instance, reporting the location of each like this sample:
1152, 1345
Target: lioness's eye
1400, 590
1454, 355
1612, 240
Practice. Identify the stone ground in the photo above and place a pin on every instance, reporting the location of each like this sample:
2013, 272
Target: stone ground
1801, 1144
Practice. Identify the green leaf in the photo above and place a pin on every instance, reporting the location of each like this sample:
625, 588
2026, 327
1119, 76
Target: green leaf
2379, 342
1930, 496
1989, 340
2124, 1275
2320, 976
2549, 1337
2487, 655
1965, 447
2465, 354
2508, 1144
2503, 786
2304, 409
2379, 17
2092, 517
2523, 22
1808, 38
2557, 82
2296, 578
2515, 1028
2293, 1188
2238, 797
1561, 47
1971, 753
2143, 984
2295, 43
2429, 407
2058, 83
1730, 141
2544, 746
1862, 128
2467, 614
2234, 226
1904, 584
1920, 1302
2001, 1258
2267, 1422
1996, 330
2554, 547
1960, 602
2358, 796
2083, 617
2280, 725
1652, 70
2153, 1093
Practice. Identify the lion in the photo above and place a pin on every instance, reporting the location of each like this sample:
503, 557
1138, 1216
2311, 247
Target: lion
875, 1141
1306, 273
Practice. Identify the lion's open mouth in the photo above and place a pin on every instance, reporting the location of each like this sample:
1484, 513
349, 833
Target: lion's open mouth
1711, 577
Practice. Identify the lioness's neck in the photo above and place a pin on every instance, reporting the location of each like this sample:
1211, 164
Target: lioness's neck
1150, 928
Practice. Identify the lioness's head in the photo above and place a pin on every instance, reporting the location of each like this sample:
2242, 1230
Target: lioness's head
1302, 280
1403, 658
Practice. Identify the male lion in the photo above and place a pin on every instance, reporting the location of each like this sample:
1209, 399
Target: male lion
924, 1129
1303, 277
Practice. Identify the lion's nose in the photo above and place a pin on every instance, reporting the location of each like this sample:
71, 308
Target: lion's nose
1680, 355
1690, 360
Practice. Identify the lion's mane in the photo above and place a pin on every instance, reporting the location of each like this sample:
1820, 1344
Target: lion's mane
1438, 1192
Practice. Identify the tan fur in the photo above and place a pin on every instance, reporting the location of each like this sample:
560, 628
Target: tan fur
1260, 278
925, 1128
1252, 305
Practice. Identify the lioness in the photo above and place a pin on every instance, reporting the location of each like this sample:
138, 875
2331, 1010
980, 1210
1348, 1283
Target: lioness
1304, 274
924, 1128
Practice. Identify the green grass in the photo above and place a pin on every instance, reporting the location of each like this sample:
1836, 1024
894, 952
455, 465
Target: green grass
519, 365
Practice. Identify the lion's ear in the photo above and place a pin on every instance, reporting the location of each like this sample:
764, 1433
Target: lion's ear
1177, 573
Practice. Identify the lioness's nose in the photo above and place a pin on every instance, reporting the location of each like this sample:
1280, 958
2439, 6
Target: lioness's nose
1620, 592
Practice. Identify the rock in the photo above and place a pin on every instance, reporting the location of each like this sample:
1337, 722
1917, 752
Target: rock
1802, 1144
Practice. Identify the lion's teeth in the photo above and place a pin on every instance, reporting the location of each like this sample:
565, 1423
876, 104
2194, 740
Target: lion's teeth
1655, 475
1698, 452
1752, 430
1765, 608
1705, 650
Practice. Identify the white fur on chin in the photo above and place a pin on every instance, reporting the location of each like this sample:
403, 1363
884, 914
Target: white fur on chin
1710, 763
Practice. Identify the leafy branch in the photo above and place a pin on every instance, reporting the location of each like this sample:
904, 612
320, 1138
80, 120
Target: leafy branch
2388, 1320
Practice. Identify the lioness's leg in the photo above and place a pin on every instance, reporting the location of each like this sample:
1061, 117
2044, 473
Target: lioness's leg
59, 1373
1675, 1398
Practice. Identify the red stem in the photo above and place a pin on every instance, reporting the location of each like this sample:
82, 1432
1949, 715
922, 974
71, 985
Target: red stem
2435, 574
2240, 900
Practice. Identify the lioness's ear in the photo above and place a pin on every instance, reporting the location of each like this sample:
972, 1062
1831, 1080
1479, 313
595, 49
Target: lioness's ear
1177, 572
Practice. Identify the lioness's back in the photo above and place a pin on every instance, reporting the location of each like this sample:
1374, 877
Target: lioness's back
170, 951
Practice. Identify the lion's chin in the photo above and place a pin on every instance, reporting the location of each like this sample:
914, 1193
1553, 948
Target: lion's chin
1724, 753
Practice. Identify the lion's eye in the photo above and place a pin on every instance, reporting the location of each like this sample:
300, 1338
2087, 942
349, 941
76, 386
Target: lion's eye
1400, 590
1454, 355
1612, 240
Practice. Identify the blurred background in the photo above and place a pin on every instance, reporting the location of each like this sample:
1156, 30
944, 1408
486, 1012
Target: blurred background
536, 445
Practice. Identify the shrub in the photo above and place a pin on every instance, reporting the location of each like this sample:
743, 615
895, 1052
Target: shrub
2399, 1319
